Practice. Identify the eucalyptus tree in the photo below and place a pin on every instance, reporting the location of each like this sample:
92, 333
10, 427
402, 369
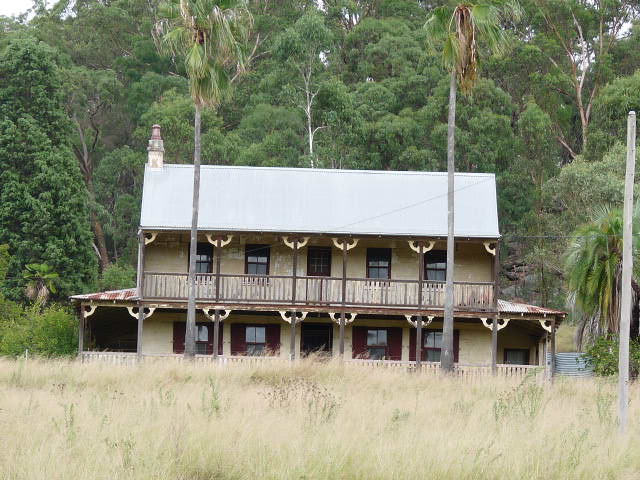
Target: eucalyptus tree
593, 271
458, 29
210, 37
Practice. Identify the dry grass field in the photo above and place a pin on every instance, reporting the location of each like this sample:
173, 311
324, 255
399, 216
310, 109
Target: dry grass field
64, 420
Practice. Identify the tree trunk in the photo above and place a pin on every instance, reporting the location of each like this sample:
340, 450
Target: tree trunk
446, 358
101, 243
190, 334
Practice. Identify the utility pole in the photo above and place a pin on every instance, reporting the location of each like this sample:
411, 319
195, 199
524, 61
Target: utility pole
627, 270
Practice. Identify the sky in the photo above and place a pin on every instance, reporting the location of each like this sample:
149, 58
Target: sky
14, 7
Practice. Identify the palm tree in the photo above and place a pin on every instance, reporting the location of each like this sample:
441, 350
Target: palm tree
593, 269
457, 30
211, 37
41, 282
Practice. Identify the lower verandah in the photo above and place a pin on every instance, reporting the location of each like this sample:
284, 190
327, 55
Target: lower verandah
366, 337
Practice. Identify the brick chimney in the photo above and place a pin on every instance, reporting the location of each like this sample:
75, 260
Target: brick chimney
156, 148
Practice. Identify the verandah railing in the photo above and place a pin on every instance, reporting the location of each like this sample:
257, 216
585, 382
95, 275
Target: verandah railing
321, 291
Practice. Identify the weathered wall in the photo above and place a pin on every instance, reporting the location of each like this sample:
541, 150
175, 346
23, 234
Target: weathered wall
475, 339
169, 253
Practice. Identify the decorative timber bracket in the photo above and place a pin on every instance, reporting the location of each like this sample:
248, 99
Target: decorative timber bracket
488, 248
286, 316
415, 246
348, 317
219, 241
88, 310
415, 322
148, 311
211, 316
290, 243
149, 237
547, 325
338, 242
489, 325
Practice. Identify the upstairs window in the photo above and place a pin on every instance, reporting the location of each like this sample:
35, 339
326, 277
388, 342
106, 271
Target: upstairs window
435, 265
257, 259
377, 344
256, 340
379, 263
319, 261
204, 258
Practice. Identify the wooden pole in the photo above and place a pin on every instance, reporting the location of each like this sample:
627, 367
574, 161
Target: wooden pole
494, 326
81, 327
627, 271
344, 297
419, 316
553, 348
140, 328
494, 345
292, 346
216, 318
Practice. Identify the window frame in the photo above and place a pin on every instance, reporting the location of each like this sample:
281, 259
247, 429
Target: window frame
521, 350
247, 343
326, 250
377, 345
370, 253
435, 257
424, 349
249, 247
204, 342
209, 263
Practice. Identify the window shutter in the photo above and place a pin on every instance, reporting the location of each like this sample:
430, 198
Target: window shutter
273, 338
394, 337
238, 337
412, 344
456, 344
220, 330
178, 336
358, 342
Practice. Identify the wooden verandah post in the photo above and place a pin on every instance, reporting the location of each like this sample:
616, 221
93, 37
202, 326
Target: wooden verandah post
292, 346
140, 291
421, 250
217, 251
494, 327
344, 298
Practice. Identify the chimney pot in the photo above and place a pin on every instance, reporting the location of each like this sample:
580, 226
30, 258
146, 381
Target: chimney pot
156, 148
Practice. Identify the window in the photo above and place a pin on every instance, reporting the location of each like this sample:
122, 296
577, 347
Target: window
255, 338
204, 258
257, 259
431, 345
202, 339
379, 263
435, 265
516, 356
377, 344
319, 261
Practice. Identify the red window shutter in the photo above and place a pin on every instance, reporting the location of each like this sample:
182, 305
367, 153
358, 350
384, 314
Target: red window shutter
412, 345
273, 338
178, 336
359, 342
456, 344
394, 337
238, 339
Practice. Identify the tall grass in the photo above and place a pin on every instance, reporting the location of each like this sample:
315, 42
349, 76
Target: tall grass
64, 420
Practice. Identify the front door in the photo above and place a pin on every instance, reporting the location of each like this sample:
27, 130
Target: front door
316, 338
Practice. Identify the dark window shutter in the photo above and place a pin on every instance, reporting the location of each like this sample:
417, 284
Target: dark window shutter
238, 336
359, 342
220, 342
412, 344
273, 338
394, 337
456, 344
178, 336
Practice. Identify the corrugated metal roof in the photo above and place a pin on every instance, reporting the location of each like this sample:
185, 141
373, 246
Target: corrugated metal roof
505, 306
358, 202
111, 295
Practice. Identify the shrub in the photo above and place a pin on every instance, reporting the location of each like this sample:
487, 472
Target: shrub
117, 276
603, 356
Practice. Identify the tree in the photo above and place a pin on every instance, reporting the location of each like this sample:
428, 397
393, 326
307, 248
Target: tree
457, 28
305, 46
210, 36
41, 282
43, 202
594, 274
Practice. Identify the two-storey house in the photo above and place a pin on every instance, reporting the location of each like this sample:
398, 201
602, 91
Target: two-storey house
293, 260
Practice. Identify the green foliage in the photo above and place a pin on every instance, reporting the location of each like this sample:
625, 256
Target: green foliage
49, 332
603, 356
117, 276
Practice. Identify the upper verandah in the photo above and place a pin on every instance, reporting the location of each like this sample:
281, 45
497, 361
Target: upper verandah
319, 201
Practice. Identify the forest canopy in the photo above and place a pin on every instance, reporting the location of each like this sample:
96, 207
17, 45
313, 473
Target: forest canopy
81, 83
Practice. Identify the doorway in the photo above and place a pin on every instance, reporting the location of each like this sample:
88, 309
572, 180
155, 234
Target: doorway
316, 338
